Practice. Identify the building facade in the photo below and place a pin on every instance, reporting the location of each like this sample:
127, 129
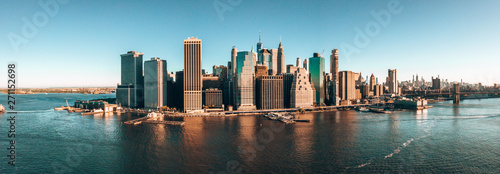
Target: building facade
392, 81
281, 60
301, 93
212, 98
269, 92
260, 70
155, 83
347, 85
244, 81
130, 93
316, 71
192, 75
334, 71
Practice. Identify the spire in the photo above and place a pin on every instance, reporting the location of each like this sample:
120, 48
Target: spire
259, 36
252, 49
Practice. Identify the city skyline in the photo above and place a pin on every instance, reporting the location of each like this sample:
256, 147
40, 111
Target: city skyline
410, 36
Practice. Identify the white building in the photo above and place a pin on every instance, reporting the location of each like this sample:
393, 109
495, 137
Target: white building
301, 95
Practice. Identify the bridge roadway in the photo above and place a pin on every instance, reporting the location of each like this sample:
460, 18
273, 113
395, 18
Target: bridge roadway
451, 93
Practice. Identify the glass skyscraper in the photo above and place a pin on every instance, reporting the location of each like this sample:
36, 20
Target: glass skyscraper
245, 72
316, 70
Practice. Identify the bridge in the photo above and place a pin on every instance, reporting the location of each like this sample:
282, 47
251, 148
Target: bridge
455, 94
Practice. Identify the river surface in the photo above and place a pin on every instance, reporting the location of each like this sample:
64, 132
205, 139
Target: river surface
448, 138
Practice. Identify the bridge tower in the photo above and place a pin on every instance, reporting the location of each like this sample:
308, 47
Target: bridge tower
456, 93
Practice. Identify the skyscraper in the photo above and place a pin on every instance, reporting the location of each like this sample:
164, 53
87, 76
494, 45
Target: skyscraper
316, 70
347, 85
269, 92
281, 60
297, 64
287, 87
192, 74
334, 70
372, 83
220, 71
244, 81
131, 91
273, 62
392, 81
259, 45
155, 83
301, 93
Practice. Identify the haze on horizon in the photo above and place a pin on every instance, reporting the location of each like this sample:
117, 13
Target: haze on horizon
80, 42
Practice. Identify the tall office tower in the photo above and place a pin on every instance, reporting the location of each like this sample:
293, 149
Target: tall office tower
365, 91
436, 83
359, 80
171, 97
130, 92
260, 70
179, 90
269, 92
378, 90
259, 45
306, 64
347, 85
372, 83
281, 60
392, 81
264, 57
297, 63
334, 70
273, 62
287, 87
301, 93
192, 74
416, 82
234, 53
220, 71
155, 83
228, 89
244, 81
327, 80
316, 69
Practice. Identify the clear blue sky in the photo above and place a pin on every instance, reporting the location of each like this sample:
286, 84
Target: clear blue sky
80, 45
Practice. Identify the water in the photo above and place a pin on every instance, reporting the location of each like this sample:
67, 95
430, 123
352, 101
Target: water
446, 138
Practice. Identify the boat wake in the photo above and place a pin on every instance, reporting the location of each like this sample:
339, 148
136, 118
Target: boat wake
427, 126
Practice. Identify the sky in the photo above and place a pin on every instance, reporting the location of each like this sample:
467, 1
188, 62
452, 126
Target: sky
78, 43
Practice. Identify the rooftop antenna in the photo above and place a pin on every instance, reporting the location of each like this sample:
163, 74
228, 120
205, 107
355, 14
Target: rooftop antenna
259, 35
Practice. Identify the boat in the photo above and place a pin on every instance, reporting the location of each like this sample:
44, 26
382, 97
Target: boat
59, 108
362, 109
378, 110
156, 115
2, 109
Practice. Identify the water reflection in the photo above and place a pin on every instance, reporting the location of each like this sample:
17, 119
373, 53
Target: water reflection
303, 134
